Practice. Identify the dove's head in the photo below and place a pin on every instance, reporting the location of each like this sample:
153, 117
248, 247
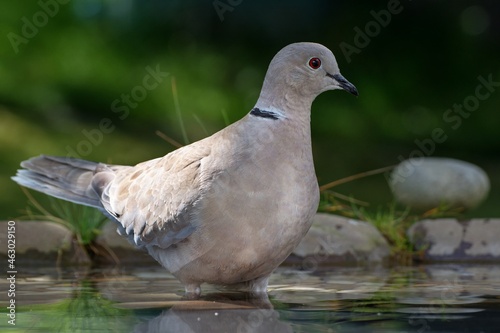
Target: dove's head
302, 71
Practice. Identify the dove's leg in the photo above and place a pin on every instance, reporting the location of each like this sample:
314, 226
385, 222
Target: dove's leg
193, 291
259, 285
256, 287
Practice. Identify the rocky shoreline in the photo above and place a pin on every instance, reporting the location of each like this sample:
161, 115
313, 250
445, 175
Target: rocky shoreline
332, 239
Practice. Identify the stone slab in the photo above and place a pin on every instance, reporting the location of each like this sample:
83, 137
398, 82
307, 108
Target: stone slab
331, 239
37, 241
334, 238
453, 240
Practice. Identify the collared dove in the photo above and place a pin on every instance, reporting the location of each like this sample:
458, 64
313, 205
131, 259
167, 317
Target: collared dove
225, 210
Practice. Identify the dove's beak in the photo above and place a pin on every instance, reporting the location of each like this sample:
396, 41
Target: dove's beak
344, 84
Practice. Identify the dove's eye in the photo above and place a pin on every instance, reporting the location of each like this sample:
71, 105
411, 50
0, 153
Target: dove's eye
315, 63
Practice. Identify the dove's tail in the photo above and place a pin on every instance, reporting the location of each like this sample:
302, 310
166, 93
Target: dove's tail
61, 177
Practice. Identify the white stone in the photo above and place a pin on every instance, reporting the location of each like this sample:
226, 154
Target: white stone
339, 238
450, 239
441, 237
483, 235
42, 236
425, 183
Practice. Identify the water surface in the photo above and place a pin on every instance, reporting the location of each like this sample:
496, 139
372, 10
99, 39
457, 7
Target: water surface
430, 298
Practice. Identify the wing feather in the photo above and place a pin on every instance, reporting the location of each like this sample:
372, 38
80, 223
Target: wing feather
155, 201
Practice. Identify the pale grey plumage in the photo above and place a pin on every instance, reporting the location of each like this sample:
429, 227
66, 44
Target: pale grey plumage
227, 209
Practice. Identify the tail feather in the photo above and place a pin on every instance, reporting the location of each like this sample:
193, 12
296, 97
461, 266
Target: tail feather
61, 177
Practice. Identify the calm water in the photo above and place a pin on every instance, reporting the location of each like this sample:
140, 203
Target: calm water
432, 298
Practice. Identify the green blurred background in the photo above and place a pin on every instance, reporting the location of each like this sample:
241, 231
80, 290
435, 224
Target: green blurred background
65, 64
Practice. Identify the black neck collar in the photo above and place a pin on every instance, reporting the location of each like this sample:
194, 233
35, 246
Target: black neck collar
264, 114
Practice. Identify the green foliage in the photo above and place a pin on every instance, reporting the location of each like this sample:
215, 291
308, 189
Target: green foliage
84, 222
391, 222
393, 225
86, 310
65, 78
